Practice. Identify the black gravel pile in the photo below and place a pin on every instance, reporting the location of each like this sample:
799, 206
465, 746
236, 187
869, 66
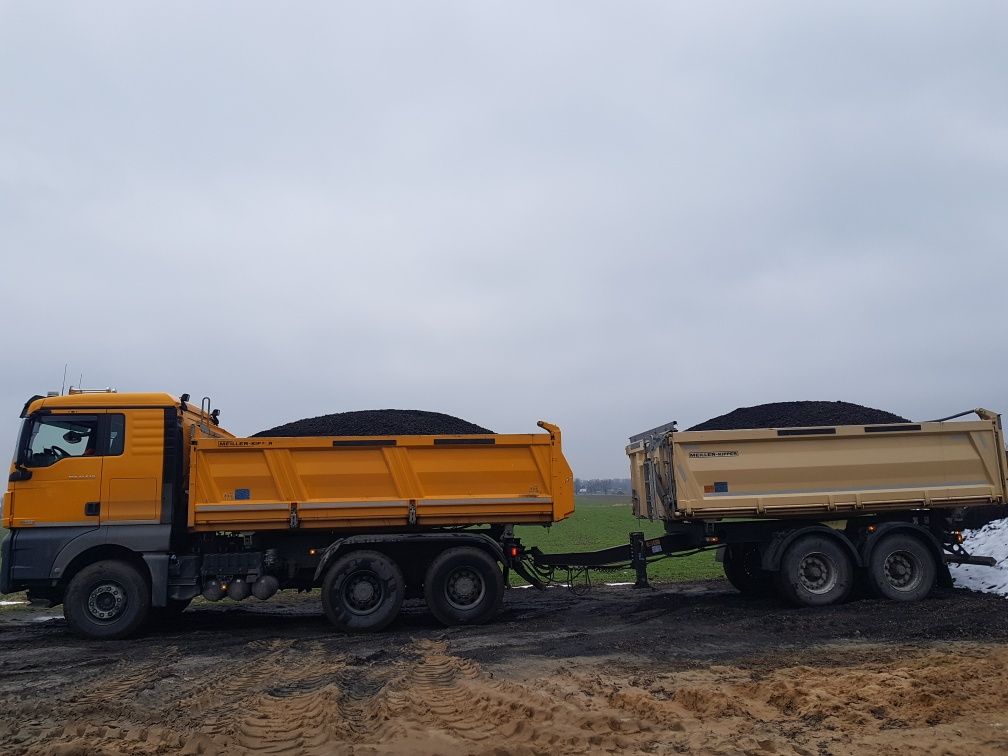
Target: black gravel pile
799, 415
384, 422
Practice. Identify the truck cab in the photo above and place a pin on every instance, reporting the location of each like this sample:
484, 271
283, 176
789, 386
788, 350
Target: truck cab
95, 475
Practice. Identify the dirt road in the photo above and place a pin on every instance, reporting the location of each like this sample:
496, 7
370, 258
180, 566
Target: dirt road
685, 668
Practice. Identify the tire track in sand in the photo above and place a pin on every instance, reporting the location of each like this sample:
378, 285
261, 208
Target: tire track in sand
442, 702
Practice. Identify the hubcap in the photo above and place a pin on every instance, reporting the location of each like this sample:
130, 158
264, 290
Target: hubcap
817, 573
107, 601
902, 571
362, 592
464, 588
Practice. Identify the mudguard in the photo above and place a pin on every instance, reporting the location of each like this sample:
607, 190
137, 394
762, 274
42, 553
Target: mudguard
775, 549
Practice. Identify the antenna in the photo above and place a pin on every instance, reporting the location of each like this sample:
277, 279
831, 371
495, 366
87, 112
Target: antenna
80, 381
66, 366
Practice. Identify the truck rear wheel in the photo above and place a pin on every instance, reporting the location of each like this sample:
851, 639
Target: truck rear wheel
363, 592
464, 586
815, 571
902, 568
106, 600
743, 569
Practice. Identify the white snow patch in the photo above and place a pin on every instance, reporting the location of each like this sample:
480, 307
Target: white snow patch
990, 540
12, 603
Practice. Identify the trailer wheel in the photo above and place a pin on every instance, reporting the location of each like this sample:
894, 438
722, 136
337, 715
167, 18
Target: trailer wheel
743, 570
464, 586
902, 568
815, 571
363, 591
106, 600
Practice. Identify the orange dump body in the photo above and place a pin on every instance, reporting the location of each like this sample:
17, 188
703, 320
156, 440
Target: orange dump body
378, 482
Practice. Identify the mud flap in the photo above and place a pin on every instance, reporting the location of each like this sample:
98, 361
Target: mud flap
944, 575
5, 553
158, 566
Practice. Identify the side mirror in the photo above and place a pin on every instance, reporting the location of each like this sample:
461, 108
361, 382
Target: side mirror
20, 473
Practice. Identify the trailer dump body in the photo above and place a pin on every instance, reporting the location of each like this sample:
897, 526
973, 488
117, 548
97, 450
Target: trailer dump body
378, 481
794, 472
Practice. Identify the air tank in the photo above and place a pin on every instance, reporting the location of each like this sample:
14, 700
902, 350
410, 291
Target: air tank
265, 587
239, 589
213, 591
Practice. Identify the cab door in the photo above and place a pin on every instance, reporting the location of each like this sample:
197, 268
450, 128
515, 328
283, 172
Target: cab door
62, 482
133, 463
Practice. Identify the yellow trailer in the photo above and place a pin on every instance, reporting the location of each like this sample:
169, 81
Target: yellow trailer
120, 505
802, 511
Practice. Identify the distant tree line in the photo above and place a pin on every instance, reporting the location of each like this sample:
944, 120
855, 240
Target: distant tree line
602, 485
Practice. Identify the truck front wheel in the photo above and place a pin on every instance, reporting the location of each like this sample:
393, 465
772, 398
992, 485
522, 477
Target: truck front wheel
902, 568
363, 592
106, 600
464, 586
815, 571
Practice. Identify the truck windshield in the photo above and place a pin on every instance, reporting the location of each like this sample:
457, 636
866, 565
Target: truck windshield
19, 444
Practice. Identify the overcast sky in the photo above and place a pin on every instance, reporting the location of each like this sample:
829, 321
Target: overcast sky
606, 215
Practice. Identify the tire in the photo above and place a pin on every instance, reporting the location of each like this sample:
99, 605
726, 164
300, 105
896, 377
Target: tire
363, 592
815, 570
902, 568
107, 600
742, 568
464, 586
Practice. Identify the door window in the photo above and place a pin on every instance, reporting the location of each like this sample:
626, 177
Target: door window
116, 434
55, 437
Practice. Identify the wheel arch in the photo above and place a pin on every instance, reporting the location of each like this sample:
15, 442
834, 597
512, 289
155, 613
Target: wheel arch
100, 553
774, 551
144, 546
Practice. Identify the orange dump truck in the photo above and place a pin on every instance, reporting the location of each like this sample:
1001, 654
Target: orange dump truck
120, 505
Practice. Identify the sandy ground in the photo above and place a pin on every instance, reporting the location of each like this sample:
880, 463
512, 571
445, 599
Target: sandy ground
688, 668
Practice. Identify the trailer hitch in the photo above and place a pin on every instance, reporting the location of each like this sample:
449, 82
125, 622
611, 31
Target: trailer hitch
958, 555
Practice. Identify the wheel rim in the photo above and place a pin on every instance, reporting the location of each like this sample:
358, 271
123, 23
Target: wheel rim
464, 588
903, 571
107, 601
817, 573
363, 592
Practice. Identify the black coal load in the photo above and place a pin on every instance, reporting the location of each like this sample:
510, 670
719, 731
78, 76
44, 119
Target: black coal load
384, 422
799, 415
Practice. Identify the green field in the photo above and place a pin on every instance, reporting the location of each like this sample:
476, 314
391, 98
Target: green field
602, 521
